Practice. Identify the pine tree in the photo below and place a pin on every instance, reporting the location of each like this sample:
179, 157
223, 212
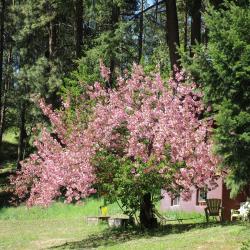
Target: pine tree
222, 70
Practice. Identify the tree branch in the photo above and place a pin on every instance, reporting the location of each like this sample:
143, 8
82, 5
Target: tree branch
147, 9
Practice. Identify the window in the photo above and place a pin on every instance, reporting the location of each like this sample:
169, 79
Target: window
175, 201
201, 196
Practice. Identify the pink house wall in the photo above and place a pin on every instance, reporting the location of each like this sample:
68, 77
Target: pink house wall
191, 205
221, 192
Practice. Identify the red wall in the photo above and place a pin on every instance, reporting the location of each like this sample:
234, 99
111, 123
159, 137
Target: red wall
229, 203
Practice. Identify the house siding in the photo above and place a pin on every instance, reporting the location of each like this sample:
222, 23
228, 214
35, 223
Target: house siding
220, 192
191, 205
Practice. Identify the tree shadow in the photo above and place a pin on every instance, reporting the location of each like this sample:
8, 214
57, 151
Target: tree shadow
111, 237
7, 168
5, 191
9, 152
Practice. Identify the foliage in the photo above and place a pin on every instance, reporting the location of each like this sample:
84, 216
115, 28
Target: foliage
222, 71
146, 136
119, 181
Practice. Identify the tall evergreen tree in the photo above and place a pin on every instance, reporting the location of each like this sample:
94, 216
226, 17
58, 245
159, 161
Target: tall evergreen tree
222, 69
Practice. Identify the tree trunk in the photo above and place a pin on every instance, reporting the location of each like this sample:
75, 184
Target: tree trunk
172, 30
186, 26
1, 68
52, 42
78, 26
3, 113
140, 38
147, 218
114, 21
4, 99
196, 22
52, 39
22, 135
156, 10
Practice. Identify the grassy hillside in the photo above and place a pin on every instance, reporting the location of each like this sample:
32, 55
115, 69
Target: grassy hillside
63, 226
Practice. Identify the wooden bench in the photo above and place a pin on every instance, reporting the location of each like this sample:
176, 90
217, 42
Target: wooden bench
118, 222
96, 219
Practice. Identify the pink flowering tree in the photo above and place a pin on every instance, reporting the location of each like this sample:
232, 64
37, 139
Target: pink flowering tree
141, 137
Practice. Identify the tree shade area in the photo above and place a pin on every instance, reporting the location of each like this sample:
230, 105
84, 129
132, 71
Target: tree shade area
124, 98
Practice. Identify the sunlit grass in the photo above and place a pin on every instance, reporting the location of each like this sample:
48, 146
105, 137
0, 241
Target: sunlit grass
63, 226
11, 136
57, 210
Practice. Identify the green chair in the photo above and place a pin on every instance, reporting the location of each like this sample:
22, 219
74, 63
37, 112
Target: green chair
214, 209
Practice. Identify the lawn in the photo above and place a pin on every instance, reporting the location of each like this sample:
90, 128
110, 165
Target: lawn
63, 226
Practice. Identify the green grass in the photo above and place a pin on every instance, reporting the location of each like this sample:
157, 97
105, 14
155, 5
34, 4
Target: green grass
63, 226
188, 217
9, 151
200, 236
57, 210
11, 136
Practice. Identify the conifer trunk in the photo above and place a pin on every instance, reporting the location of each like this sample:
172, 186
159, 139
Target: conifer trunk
172, 31
22, 134
78, 26
196, 22
52, 42
186, 26
1, 69
140, 38
114, 21
5, 90
4, 100
52, 39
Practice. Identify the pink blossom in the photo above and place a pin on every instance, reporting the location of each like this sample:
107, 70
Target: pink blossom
153, 117
133, 171
105, 72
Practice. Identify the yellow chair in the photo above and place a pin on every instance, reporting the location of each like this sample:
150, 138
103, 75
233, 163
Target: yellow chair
104, 211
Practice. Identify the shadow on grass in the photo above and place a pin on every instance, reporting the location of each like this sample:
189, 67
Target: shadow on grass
7, 167
9, 152
5, 192
111, 237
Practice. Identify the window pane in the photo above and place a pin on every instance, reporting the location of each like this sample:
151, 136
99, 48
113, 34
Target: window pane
201, 196
176, 201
